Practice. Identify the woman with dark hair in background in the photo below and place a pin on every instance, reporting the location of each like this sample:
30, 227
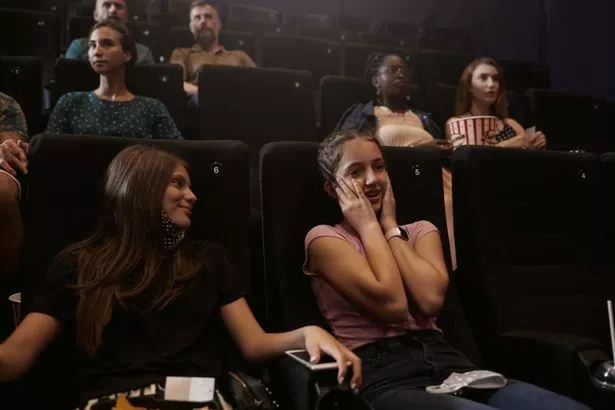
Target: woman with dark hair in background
481, 92
112, 110
143, 302
391, 115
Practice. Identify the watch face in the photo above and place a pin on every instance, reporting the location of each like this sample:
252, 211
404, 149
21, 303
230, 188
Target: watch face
403, 233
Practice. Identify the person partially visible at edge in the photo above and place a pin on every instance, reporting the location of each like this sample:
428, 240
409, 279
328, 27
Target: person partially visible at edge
13, 167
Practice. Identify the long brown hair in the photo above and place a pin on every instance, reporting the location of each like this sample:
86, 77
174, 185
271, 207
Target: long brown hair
125, 255
464, 94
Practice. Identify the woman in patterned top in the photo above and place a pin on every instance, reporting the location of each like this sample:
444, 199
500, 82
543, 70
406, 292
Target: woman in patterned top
111, 109
13, 163
481, 91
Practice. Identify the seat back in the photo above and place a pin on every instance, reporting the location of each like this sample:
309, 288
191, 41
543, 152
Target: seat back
34, 33
437, 66
146, 33
163, 82
79, 27
438, 38
258, 20
320, 57
22, 79
531, 242
608, 168
290, 168
572, 122
337, 94
304, 20
521, 77
256, 105
386, 40
61, 206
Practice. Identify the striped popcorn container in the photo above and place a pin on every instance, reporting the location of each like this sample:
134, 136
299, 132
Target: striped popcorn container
472, 130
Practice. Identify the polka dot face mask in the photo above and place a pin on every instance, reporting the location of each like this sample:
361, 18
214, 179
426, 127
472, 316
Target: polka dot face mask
172, 235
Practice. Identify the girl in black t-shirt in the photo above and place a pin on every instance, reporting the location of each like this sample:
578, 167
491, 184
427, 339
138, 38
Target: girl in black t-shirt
144, 303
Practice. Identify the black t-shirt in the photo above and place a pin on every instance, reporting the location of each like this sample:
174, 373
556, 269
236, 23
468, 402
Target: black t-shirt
142, 345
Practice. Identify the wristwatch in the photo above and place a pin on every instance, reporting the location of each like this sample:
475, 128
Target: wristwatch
397, 231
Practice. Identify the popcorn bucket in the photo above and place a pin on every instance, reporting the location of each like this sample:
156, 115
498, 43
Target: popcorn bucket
476, 130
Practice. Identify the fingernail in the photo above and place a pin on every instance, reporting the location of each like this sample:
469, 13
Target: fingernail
340, 380
353, 386
312, 359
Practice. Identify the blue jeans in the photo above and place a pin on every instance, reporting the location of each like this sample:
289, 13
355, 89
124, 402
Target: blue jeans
397, 370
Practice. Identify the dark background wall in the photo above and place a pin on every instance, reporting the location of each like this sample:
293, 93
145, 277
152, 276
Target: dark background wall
578, 37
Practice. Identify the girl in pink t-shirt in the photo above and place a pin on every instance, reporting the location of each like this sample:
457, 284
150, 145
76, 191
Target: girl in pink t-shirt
380, 287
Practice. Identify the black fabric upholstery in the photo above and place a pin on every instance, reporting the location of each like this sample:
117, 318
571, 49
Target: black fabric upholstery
437, 38
531, 242
22, 79
163, 82
608, 167
386, 39
294, 201
314, 20
146, 33
521, 77
337, 35
361, 25
573, 122
337, 94
320, 57
356, 55
254, 14
402, 29
256, 105
79, 27
33, 33
436, 66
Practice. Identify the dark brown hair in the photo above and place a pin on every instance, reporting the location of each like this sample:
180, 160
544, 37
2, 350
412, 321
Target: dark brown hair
126, 40
464, 94
330, 150
125, 255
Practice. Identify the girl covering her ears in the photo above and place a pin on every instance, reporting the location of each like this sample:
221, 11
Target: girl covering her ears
380, 285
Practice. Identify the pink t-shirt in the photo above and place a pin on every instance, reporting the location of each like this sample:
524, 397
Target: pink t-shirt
351, 327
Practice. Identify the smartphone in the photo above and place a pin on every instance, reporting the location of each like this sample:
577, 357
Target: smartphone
302, 356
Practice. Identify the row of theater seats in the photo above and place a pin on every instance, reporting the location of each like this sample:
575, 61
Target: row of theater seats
261, 20
263, 105
40, 34
535, 240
